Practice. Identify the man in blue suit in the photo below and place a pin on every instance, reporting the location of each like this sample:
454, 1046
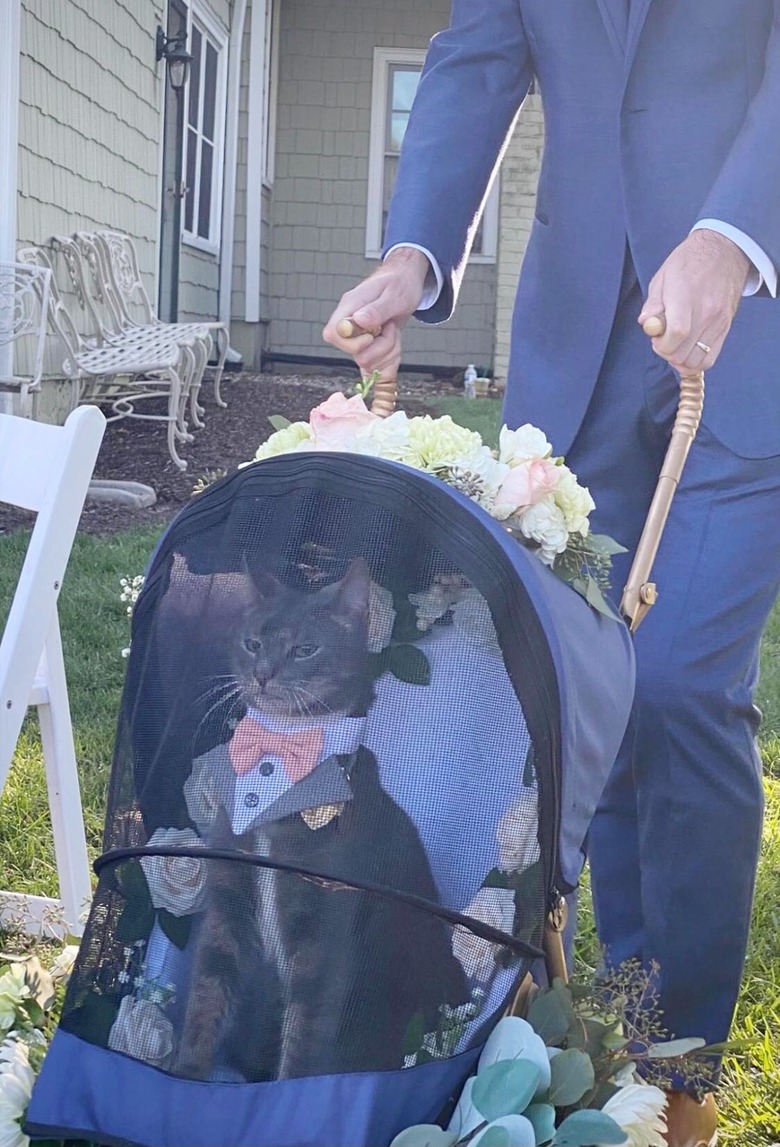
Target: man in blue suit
659, 195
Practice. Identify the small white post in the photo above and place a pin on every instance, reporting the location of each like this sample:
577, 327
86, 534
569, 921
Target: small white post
10, 22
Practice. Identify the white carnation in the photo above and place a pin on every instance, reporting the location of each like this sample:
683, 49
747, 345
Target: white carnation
522, 445
284, 441
638, 1109
436, 443
574, 501
545, 524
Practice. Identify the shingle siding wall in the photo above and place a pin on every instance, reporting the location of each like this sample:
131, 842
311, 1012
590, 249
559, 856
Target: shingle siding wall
320, 191
89, 121
519, 178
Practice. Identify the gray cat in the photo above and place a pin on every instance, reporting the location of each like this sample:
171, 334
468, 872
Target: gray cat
294, 976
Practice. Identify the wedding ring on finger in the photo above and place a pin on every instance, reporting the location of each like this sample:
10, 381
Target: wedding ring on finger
704, 347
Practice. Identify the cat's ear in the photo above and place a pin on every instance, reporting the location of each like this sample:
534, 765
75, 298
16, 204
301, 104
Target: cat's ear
262, 585
353, 591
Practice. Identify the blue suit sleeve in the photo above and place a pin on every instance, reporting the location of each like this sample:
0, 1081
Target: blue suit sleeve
746, 194
476, 76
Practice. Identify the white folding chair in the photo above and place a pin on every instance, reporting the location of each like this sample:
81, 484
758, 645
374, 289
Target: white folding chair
46, 469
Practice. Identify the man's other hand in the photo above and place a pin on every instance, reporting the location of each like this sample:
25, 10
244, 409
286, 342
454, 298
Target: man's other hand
697, 291
380, 305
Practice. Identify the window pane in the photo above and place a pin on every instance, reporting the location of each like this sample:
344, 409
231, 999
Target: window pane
404, 87
189, 201
398, 124
192, 113
210, 92
391, 167
204, 201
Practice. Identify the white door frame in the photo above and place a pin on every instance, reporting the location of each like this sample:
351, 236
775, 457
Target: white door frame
10, 22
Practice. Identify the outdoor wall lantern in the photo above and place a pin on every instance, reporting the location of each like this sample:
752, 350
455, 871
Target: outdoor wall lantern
173, 49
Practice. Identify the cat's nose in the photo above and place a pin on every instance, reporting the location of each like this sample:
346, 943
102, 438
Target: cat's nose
261, 678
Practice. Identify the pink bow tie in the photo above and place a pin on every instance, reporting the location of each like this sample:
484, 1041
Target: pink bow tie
299, 752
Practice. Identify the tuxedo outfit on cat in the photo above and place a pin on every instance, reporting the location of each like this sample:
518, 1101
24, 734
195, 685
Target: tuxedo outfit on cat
658, 117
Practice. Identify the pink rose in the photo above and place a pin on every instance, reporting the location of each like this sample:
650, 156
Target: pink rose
335, 422
525, 485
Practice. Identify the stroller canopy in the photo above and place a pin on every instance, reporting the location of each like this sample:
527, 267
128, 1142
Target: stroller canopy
362, 736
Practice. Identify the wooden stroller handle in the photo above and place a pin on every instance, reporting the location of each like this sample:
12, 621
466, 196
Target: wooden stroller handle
640, 593
385, 391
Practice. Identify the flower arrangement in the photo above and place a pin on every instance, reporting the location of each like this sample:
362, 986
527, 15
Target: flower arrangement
30, 995
522, 484
567, 1076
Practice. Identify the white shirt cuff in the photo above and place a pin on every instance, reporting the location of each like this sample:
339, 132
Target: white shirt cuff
762, 271
434, 280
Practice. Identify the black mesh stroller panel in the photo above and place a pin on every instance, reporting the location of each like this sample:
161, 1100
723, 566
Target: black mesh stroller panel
332, 812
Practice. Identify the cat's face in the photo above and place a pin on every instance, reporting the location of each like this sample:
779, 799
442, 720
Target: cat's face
304, 655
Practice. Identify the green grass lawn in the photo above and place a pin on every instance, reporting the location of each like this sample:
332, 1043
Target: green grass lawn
95, 629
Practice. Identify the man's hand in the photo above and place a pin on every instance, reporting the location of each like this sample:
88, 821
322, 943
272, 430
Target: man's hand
381, 304
698, 291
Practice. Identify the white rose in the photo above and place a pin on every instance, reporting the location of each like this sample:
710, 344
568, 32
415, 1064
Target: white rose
638, 1109
63, 965
202, 795
16, 1084
285, 441
176, 883
381, 618
516, 833
545, 524
384, 438
471, 616
493, 906
574, 501
142, 1031
435, 443
522, 445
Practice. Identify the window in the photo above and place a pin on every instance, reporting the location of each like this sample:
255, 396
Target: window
204, 133
396, 76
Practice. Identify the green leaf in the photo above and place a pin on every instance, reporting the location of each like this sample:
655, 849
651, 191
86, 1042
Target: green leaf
675, 1047
425, 1135
176, 928
542, 1118
279, 422
34, 1012
415, 1033
604, 544
548, 1017
409, 664
493, 1137
505, 1088
132, 883
584, 1128
572, 1076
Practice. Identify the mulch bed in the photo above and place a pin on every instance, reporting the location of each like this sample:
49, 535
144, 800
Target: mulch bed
135, 450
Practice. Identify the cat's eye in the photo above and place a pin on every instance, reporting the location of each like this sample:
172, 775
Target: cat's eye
304, 652
252, 644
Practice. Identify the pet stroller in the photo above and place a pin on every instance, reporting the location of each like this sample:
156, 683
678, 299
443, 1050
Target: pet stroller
362, 736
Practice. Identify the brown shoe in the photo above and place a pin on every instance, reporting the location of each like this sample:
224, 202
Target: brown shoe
690, 1123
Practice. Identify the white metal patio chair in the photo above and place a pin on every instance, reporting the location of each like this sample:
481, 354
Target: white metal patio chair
46, 469
113, 256
24, 295
144, 365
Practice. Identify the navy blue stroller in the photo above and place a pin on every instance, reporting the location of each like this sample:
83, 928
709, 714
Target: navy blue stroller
362, 736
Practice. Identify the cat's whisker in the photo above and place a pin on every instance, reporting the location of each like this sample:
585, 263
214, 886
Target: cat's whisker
236, 693
213, 688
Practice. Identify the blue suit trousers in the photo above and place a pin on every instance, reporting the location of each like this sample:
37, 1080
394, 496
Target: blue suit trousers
674, 845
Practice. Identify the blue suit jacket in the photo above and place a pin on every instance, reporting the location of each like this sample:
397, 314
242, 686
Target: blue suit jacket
648, 129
